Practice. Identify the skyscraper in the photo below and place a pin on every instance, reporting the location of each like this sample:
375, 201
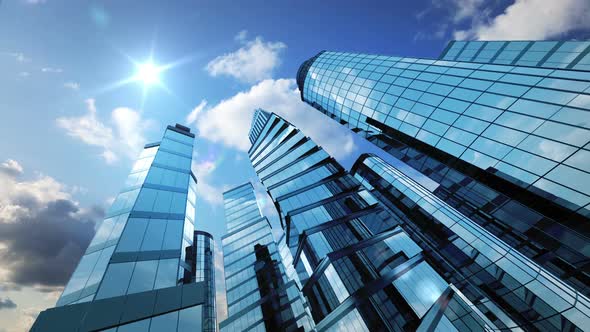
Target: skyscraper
502, 130
135, 274
260, 294
358, 267
507, 143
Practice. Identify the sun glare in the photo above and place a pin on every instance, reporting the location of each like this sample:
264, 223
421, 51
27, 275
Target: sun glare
148, 73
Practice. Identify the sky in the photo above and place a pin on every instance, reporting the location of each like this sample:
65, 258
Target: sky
74, 118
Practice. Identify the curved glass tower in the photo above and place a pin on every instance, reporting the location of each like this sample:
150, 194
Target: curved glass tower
136, 274
503, 129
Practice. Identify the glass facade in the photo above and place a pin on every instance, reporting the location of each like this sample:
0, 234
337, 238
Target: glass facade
261, 296
140, 251
547, 54
509, 288
356, 264
200, 256
503, 128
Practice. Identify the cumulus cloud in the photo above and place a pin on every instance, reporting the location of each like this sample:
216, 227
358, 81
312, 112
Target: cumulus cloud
72, 85
123, 137
11, 167
253, 62
228, 122
43, 231
7, 304
203, 168
531, 20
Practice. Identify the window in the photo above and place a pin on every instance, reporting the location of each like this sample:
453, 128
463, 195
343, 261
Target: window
166, 276
146, 199
518, 121
173, 235
189, 319
143, 276
163, 201
80, 276
139, 326
116, 280
420, 287
508, 136
132, 235
165, 323
154, 235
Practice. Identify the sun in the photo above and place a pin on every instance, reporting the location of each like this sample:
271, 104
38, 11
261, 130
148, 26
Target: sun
148, 73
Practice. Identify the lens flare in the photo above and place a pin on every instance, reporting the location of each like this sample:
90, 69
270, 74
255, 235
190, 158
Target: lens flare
148, 73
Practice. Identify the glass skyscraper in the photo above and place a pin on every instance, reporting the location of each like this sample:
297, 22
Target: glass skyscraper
502, 129
261, 296
358, 267
146, 269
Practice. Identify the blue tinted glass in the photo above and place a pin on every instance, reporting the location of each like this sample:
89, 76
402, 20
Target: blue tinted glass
166, 276
143, 276
146, 199
139, 326
173, 235
132, 235
189, 319
154, 235
116, 280
165, 323
163, 201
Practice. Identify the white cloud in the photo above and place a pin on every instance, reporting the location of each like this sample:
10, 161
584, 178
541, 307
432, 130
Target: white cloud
532, 20
35, 2
196, 111
72, 85
464, 9
253, 62
13, 194
208, 192
228, 122
11, 167
51, 70
125, 136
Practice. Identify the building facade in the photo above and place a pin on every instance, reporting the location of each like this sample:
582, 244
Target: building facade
260, 294
507, 143
502, 128
357, 266
136, 274
509, 288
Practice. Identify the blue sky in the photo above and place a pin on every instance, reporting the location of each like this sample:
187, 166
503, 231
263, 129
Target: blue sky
71, 130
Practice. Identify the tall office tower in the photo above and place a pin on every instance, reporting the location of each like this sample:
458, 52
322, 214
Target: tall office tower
132, 276
502, 127
260, 295
359, 270
512, 291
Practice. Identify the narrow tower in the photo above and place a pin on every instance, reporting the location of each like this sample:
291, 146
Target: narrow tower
260, 295
135, 274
